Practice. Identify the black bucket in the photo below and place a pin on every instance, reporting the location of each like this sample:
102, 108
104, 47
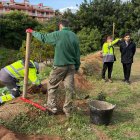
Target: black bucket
101, 112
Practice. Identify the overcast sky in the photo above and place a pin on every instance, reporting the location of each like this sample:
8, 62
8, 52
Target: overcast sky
57, 4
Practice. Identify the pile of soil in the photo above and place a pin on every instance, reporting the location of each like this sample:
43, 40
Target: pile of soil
91, 64
6, 134
92, 57
80, 82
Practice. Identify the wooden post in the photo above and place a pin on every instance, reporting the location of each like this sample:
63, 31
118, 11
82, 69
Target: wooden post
27, 59
113, 35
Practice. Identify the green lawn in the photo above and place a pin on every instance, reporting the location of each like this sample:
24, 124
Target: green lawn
125, 123
126, 119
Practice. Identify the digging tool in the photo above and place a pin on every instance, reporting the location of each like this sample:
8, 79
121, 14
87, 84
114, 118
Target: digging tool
36, 104
27, 59
113, 33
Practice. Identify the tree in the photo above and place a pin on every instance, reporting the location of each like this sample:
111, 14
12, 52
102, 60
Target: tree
12, 28
72, 18
58, 13
39, 52
102, 14
89, 40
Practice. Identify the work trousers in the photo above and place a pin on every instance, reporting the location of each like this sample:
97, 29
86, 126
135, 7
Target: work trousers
59, 74
109, 66
10, 83
127, 70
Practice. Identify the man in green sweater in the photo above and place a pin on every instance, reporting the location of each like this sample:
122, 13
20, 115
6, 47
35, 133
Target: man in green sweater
66, 62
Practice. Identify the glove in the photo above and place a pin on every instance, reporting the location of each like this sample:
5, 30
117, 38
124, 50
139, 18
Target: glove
33, 89
37, 89
43, 89
29, 30
40, 86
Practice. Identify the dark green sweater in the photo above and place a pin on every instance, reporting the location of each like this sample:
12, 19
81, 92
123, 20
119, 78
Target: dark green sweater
66, 46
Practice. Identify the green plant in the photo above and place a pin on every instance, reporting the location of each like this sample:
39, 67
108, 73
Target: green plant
44, 74
39, 52
136, 38
91, 68
89, 40
101, 96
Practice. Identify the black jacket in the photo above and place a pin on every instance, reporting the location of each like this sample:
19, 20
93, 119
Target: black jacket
127, 52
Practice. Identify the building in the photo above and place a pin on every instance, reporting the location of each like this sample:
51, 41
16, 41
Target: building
39, 12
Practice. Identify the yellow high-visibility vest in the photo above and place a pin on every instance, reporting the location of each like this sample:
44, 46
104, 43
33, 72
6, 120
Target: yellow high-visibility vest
5, 98
108, 47
17, 70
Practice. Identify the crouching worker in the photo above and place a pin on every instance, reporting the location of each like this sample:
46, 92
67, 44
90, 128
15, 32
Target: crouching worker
12, 74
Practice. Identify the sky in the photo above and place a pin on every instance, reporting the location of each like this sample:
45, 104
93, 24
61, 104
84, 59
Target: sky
57, 4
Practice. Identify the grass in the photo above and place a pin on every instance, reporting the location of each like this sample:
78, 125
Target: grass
125, 122
76, 128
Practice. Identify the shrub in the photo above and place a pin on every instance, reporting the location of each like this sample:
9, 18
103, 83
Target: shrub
91, 68
39, 52
7, 56
12, 28
136, 37
89, 40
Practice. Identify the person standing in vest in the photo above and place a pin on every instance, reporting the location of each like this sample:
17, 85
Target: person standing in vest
127, 49
66, 62
11, 74
108, 57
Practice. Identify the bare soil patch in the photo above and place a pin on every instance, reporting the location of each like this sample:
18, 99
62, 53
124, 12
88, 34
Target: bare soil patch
6, 134
100, 134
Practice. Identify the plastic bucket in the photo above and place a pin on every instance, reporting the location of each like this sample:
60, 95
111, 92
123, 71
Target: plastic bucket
101, 112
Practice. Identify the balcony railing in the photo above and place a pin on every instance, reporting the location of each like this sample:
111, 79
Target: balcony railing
40, 15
